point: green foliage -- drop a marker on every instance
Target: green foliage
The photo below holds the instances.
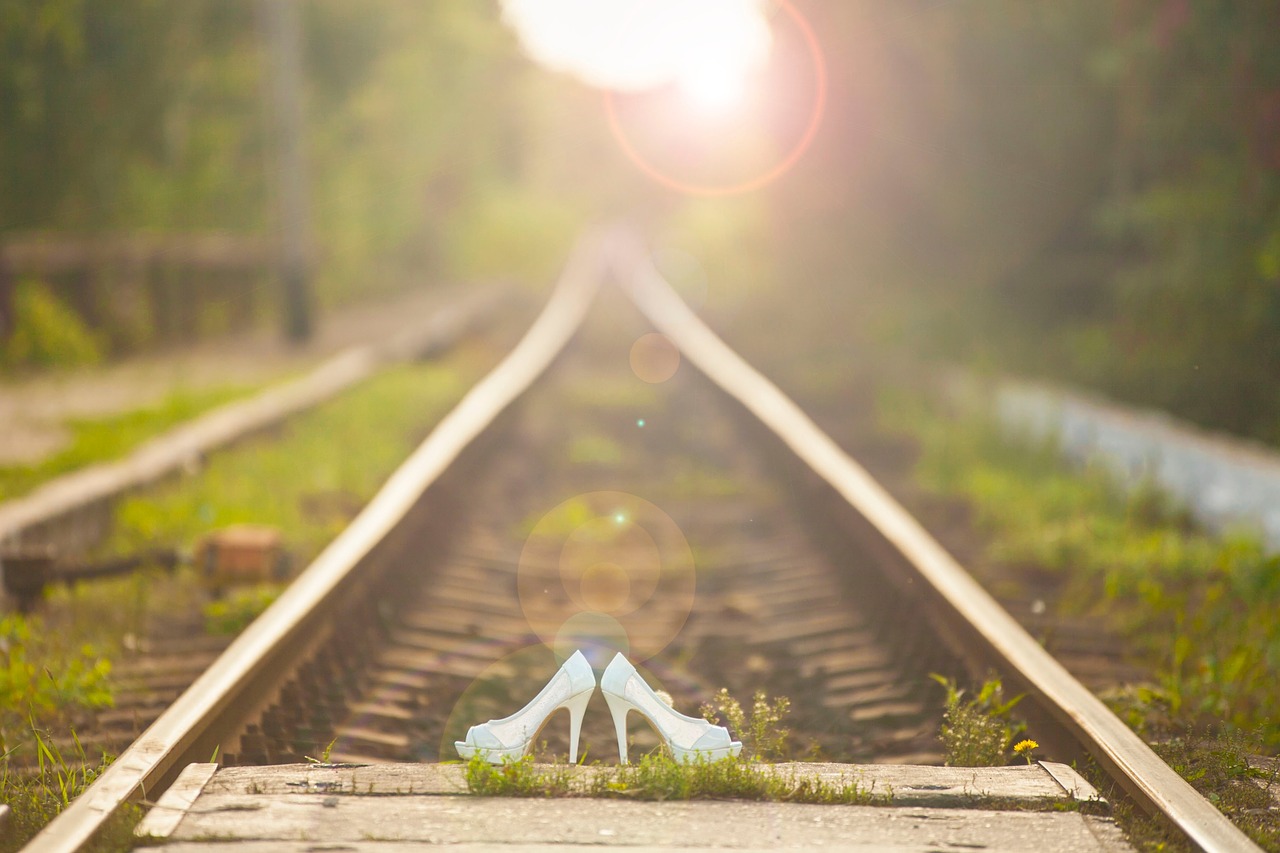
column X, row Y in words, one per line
column 46, row 332
column 269, row 480
column 520, row 778
column 762, row 734
column 660, row 777
column 1228, row 772
column 978, row 732
column 232, row 613
column 40, row 678
column 101, row 439
column 1203, row 608
column 145, row 115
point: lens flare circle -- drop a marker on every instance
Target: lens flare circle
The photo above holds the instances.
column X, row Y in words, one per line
column 654, row 358
column 779, row 169
column 615, row 556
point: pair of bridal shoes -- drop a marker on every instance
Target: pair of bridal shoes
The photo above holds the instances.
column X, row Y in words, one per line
column 688, row 738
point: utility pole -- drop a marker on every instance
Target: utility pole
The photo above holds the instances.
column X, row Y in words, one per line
column 283, row 37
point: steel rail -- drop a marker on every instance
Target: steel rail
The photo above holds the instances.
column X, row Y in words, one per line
column 1152, row 783
column 184, row 732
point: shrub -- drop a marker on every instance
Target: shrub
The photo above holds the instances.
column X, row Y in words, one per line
column 979, row 731
column 67, row 678
column 47, row 333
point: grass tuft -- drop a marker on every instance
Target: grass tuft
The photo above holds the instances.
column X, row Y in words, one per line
column 43, row 677
column 659, row 777
column 232, row 614
column 762, row 733
column 38, row 794
column 979, row 731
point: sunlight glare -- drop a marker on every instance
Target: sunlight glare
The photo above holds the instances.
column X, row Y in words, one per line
column 708, row 48
column 713, row 88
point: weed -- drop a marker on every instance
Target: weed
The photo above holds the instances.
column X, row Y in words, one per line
column 762, row 734
column 324, row 756
column 1027, row 749
column 978, row 732
column 659, row 777
column 38, row 794
column 520, row 778
column 40, row 677
column 232, row 614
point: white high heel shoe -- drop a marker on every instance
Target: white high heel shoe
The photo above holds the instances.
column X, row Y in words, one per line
column 689, row 738
column 509, row 738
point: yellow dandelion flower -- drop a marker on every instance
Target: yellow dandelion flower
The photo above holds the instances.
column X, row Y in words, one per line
column 1025, row 748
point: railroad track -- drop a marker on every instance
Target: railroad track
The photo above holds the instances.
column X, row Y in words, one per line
column 758, row 555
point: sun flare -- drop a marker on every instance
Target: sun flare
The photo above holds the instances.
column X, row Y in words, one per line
column 708, row 49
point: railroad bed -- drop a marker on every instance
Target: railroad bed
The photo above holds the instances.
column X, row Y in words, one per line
column 667, row 519
column 761, row 607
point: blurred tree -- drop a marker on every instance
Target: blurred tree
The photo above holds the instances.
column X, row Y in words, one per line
column 126, row 115
column 1089, row 191
column 1197, row 325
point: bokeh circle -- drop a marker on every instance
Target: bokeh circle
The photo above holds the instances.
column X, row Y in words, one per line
column 654, row 358
column 607, row 564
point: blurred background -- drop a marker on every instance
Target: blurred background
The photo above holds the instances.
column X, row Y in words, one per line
column 1085, row 191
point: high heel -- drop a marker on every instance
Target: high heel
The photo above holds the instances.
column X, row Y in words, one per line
column 687, row 737
column 509, row 738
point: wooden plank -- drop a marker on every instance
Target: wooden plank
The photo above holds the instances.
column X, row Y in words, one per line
column 1148, row 779
column 172, row 806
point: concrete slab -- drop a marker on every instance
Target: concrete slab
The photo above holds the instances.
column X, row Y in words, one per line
column 391, row 808
column 1042, row 785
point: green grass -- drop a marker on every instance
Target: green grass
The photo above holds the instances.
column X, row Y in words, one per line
column 44, row 676
column 1201, row 608
column 979, row 731
column 659, row 777
column 101, row 439
column 37, row 794
column 232, row 613
column 309, row 477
